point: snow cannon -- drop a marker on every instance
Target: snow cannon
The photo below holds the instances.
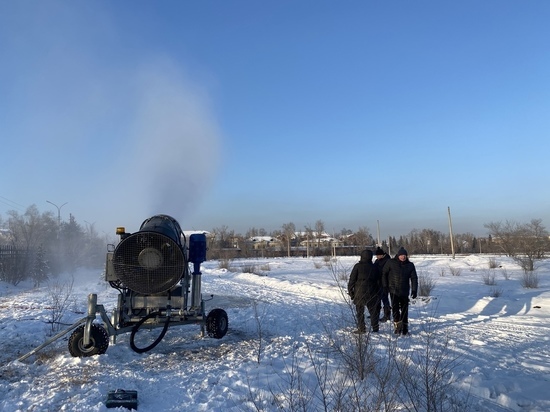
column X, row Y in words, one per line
column 150, row 269
column 153, row 259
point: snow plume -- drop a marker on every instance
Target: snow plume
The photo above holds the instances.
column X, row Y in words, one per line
column 174, row 145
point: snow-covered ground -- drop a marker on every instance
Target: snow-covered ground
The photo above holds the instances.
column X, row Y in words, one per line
column 289, row 337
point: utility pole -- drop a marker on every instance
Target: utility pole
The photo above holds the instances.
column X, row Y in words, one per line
column 58, row 211
column 451, row 232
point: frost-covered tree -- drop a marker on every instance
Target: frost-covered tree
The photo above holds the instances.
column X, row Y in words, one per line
column 40, row 269
column 73, row 241
column 27, row 232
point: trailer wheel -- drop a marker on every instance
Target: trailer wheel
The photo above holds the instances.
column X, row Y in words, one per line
column 217, row 323
column 99, row 342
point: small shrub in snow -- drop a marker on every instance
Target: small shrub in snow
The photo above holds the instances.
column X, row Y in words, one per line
column 489, row 278
column 318, row 265
column 527, row 263
column 496, row 292
column 505, row 274
column 455, row 271
column 259, row 317
column 442, row 272
column 425, row 284
column 61, row 297
column 256, row 270
column 224, row 264
column 530, row 280
column 250, row 269
column 493, row 264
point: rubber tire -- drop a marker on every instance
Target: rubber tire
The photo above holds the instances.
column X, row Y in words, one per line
column 217, row 323
column 99, row 342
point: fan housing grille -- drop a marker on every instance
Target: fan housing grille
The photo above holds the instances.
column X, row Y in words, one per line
column 149, row 262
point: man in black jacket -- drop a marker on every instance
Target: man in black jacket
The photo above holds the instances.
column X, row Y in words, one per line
column 364, row 289
column 399, row 277
column 381, row 260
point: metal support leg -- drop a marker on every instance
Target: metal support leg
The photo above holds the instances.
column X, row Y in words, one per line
column 92, row 308
column 53, row 339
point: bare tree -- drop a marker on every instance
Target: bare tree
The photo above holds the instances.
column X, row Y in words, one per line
column 363, row 238
column 289, row 230
column 309, row 236
column 525, row 243
column 252, row 232
column 428, row 241
column 465, row 242
column 224, row 236
column 319, row 229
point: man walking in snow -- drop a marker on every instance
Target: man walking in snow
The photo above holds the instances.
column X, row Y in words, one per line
column 381, row 260
column 364, row 289
column 399, row 277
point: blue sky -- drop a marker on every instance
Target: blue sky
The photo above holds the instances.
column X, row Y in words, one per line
column 255, row 114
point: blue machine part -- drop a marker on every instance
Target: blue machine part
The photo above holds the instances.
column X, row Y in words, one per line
column 197, row 250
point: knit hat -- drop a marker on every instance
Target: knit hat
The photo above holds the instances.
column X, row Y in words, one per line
column 402, row 251
column 379, row 251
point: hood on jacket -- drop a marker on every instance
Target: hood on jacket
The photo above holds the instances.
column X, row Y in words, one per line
column 366, row 255
column 401, row 251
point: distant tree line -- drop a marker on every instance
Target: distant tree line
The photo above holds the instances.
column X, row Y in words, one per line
column 525, row 242
column 36, row 246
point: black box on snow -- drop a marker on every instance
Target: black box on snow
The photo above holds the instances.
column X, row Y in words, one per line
column 120, row 397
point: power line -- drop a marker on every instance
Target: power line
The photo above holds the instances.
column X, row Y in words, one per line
column 11, row 203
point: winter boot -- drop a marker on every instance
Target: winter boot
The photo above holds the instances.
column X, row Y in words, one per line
column 387, row 314
column 405, row 329
column 398, row 327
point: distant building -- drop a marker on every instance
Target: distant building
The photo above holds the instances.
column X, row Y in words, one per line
column 264, row 242
column 323, row 241
column 5, row 235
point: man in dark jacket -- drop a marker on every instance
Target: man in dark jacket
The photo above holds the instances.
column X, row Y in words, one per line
column 381, row 260
column 364, row 289
column 399, row 277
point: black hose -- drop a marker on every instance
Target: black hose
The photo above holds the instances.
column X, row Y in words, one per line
column 156, row 342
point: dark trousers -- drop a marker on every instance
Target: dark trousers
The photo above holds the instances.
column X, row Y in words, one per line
column 373, row 306
column 400, row 308
column 360, row 310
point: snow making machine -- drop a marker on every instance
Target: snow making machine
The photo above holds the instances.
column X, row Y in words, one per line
column 151, row 270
